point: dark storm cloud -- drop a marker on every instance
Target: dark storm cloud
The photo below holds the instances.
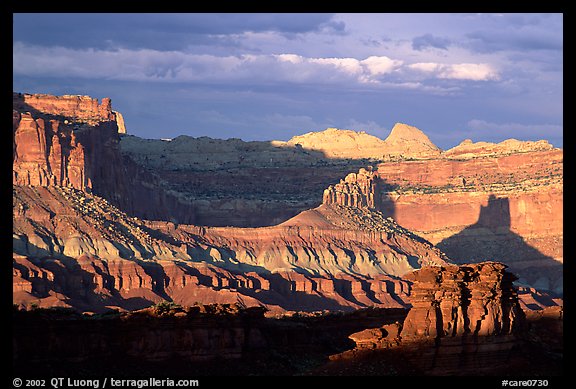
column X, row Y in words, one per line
column 518, row 32
column 159, row 31
column 273, row 76
column 428, row 40
column 491, row 41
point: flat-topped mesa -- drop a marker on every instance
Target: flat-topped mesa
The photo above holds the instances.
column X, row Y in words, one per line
column 451, row 301
column 64, row 140
column 356, row 190
column 468, row 149
column 72, row 107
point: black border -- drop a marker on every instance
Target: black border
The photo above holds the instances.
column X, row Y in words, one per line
column 253, row 6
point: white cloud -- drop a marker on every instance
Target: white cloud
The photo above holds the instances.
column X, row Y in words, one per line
column 378, row 66
column 347, row 65
column 292, row 58
column 425, row 66
column 177, row 66
column 149, row 65
column 461, row 71
column 469, row 71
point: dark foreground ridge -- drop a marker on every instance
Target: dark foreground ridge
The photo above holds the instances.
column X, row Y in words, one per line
column 435, row 337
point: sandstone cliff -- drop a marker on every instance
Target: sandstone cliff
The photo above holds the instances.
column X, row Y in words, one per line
column 82, row 109
column 73, row 141
column 120, row 122
column 505, row 208
column 470, row 314
column 503, row 204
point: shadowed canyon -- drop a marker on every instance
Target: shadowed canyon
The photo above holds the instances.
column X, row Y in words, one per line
column 337, row 239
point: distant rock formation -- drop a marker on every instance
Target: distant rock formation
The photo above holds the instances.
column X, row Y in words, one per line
column 336, row 143
column 356, row 190
column 511, row 212
column 404, row 140
column 410, row 141
column 506, row 206
column 468, row 149
column 502, row 207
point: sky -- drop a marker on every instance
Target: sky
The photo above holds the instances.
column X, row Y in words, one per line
column 485, row 77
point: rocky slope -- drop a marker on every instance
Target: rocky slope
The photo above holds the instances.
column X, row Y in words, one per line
column 74, row 248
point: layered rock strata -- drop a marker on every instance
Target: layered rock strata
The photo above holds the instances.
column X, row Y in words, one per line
column 504, row 202
column 75, row 249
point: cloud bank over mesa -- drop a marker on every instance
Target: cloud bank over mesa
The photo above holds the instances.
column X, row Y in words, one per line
column 272, row 76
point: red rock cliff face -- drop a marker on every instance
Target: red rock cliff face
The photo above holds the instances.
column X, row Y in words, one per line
column 47, row 152
column 66, row 141
column 505, row 207
column 464, row 320
column 73, row 141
